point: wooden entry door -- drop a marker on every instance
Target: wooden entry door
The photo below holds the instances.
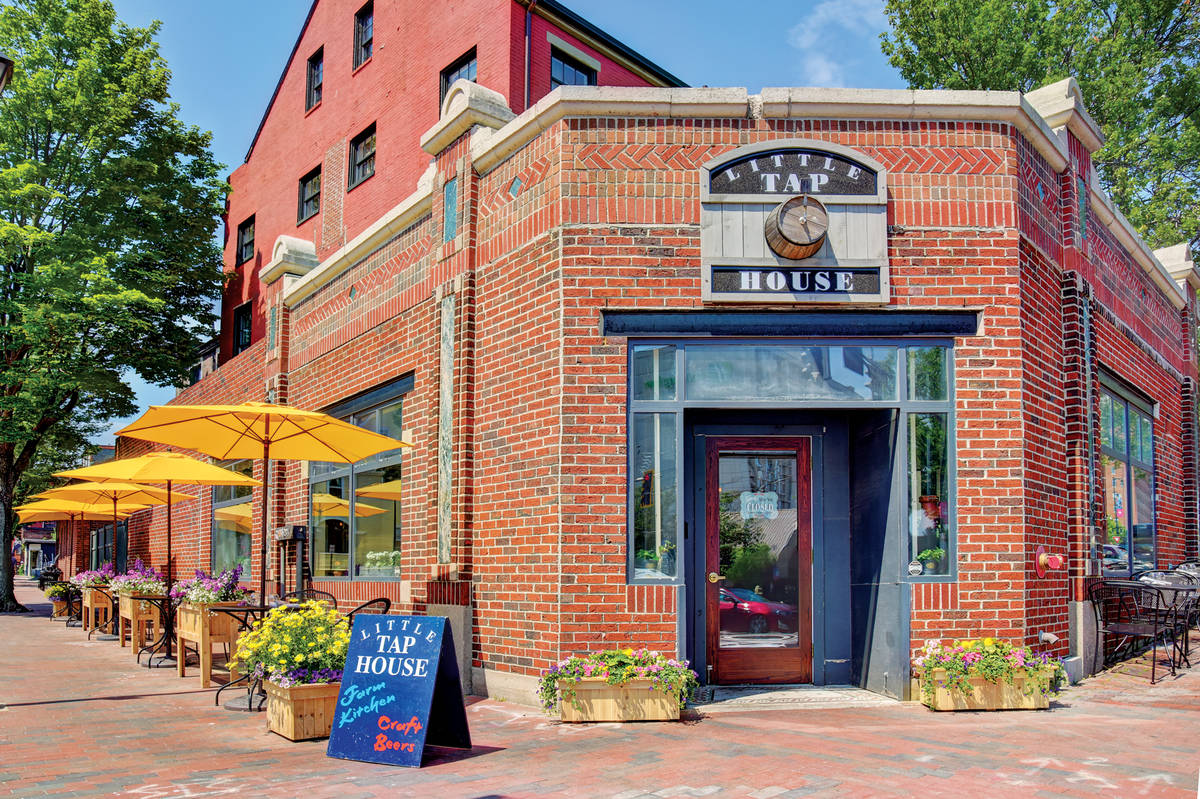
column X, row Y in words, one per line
column 759, row 559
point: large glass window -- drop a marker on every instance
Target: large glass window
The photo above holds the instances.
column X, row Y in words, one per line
column 655, row 484
column 105, row 546
column 355, row 508
column 233, row 522
column 665, row 378
column 928, row 493
column 1127, row 482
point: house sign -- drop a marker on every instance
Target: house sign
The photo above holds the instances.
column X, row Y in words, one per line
column 794, row 221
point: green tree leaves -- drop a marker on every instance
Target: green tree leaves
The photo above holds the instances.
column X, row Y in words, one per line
column 1137, row 63
column 108, row 208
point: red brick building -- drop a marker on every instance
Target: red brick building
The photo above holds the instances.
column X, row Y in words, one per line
column 785, row 383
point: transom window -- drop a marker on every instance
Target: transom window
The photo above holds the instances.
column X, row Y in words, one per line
column 362, row 156
column 245, row 241
column 364, row 34
column 1127, row 482
column 310, row 195
column 464, row 67
column 354, row 509
column 316, row 78
column 667, row 378
column 568, row 71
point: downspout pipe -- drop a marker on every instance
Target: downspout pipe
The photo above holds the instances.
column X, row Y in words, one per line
column 528, row 49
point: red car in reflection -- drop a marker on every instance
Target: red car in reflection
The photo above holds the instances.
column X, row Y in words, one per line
column 742, row 610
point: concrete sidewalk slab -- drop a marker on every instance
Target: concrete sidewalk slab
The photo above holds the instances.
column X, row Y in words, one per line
column 82, row 720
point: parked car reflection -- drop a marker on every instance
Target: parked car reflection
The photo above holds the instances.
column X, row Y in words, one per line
column 743, row 610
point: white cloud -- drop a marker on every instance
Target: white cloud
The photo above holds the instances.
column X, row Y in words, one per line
column 834, row 36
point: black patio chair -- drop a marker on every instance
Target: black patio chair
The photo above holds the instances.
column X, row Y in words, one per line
column 1137, row 615
column 379, row 606
column 1182, row 607
column 48, row 575
column 306, row 594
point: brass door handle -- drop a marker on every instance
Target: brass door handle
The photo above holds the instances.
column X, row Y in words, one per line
column 714, row 577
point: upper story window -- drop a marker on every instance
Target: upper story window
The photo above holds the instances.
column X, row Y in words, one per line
column 241, row 328
column 310, row 195
column 1127, row 481
column 463, row 67
column 362, row 156
column 568, row 71
column 245, row 241
column 364, row 34
column 316, row 77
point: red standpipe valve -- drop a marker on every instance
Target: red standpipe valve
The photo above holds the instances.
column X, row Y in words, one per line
column 1046, row 561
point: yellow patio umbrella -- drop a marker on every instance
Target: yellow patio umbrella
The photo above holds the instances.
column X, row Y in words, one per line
column 388, row 490
column 168, row 468
column 47, row 510
column 259, row 430
column 116, row 493
column 329, row 505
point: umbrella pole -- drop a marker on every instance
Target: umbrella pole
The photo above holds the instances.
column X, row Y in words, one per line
column 169, row 620
column 266, row 489
column 168, row 569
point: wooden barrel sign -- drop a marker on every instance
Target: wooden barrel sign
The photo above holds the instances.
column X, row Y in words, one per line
column 796, row 228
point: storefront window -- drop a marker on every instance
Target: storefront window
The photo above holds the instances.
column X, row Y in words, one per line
column 355, row 508
column 1127, row 482
column 928, row 494
column 728, row 372
column 233, row 522
column 653, row 488
column 107, row 547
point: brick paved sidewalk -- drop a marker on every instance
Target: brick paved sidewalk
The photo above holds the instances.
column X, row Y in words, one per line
column 80, row 719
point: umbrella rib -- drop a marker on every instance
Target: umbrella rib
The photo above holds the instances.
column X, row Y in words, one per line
column 310, row 432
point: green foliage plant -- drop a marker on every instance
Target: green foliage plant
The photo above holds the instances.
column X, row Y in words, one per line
column 989, row 658
column 927, row 555
column 616, row 667
column 1137, row 68
column 293, row 646
column 109, row 265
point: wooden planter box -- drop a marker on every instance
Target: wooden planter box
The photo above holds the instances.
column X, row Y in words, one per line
column 984, row 695
column 636, row 700
column 97, row 608
column 302, row 712
column 59, row 608
column 195, row 622
column 135, row 615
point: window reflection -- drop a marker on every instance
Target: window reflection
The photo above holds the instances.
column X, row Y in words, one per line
column 928, row 493
column 653, row 487
column 783, row 372
column 1127, row 484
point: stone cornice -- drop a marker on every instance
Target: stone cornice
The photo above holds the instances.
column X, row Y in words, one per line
column 1061, row 105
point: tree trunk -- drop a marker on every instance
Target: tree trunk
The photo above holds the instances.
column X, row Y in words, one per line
column 8, row 598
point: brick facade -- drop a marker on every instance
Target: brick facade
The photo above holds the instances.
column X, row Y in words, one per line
column 563, row 215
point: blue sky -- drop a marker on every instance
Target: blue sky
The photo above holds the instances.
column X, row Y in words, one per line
column 226, row 56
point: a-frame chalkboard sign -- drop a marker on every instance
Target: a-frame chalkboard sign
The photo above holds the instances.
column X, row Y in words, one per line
column 400, row 691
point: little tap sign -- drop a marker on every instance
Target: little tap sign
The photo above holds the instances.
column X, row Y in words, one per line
column 400, row 691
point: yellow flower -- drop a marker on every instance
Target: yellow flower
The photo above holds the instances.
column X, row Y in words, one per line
column 989, row 641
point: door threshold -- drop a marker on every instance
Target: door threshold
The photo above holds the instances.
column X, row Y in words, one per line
column 743, row 698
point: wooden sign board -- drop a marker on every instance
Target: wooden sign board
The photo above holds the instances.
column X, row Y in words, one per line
column 400, row 691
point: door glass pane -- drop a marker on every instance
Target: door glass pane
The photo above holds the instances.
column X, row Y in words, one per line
column 653, row 373
column 927, row 373
column 1141, row 527
column 330, row 528
column 377, row 523
column 785, row 372
column 758, row 545
column 928, row 494
column 654, row 480
column 1116, row 519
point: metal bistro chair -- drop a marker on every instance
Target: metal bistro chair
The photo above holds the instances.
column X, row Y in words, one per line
column 379, row 606
column 306, row 594
column 1137, row 615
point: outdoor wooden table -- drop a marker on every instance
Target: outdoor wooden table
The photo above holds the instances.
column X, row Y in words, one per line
column 204, row 624
column 136, row 613
column 97, row 608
